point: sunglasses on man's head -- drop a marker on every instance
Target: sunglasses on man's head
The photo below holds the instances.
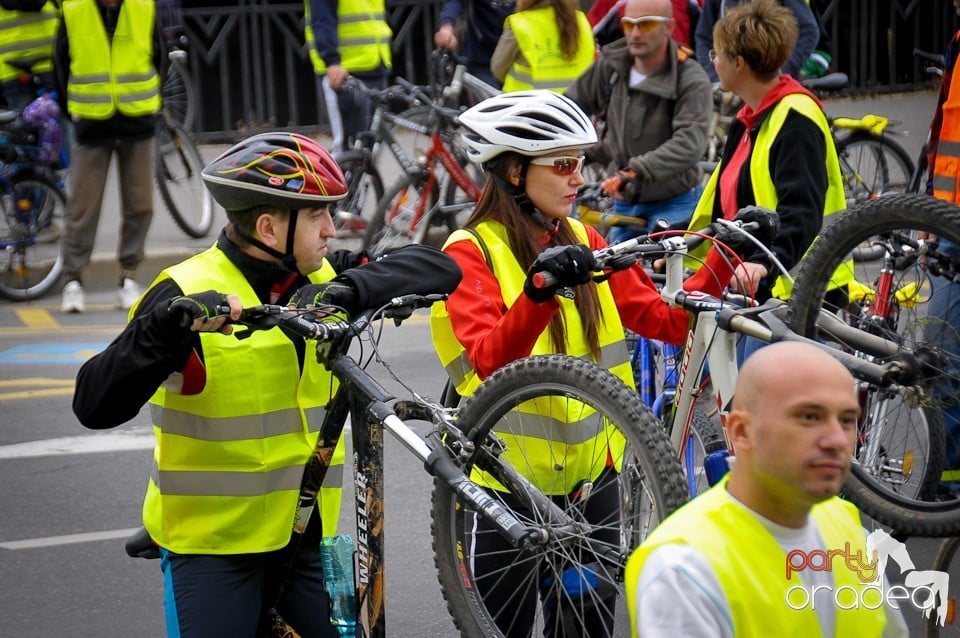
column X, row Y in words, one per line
column 645, row 24
column 563, row 166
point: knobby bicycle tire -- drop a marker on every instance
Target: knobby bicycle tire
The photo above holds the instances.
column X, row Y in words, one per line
column 30, row 232
column 179, row 100
column 641, row 485
column 364, row 185
column 177, row 170
column 873, row 165
column 900, row 451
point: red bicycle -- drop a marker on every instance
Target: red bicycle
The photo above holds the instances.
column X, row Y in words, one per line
column 435, row 193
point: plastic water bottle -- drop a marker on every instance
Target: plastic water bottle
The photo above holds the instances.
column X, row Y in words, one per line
column 337, row 555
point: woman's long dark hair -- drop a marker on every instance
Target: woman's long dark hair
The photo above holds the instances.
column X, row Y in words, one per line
column 526, row 242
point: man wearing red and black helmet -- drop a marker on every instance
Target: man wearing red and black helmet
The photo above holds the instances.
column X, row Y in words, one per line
column 229, row 415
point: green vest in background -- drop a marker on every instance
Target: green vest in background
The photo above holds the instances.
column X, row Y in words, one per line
column 230, row 456
column 363, row 36
column 107, row 77
column 538, row 38
column 25, row 35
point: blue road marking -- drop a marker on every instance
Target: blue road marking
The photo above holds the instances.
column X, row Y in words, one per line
column 52, row 352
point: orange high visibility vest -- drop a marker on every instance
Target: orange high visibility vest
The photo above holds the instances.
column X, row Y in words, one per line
column 946, row 167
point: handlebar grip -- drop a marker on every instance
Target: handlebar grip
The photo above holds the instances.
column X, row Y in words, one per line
column 543, row 279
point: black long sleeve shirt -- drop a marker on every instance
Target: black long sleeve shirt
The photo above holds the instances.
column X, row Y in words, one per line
column 113, row 385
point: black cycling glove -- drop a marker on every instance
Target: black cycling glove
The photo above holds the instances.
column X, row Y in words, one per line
column 338, row 294
column 569, row 265
column 199, row 305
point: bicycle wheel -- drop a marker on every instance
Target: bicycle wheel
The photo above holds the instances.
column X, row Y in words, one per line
column 617, row 490
column 942, row 562
column 178, row 95
column 871, row 166
column 364, row 190
column 394, row 222
column 177, row 168
column 33, row 214
column 900, row 449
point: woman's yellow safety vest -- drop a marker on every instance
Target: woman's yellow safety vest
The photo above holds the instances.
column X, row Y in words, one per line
column 109, row 76
column 571, row 427
column 228, row 462
column 363, row 36
column 764, row 190
column 538, row 38
column 751, row 567
column 25, row 35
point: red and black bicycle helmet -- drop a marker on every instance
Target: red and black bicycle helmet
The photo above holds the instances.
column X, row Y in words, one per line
column 282, row 169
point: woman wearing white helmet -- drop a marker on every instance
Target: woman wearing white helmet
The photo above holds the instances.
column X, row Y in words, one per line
column 529, row 143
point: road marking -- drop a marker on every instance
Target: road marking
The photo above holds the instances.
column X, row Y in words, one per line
column 48, row 388
column 52, row 352
column 68, row 539
column 37, row 318
column 85, row 444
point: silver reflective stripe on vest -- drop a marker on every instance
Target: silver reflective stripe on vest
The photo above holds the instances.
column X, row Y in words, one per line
column 361, row 18
column 353, row 42
column 90, row 79
column 173, row 483
column 549, row 429
column 24, row 45
column 139, row 77
column 88, row 99
column 611, row 355
column 527, row 79
column 136, row 97
column 238, row 428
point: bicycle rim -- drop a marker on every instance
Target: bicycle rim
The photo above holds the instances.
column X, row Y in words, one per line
column 872, row 166
column 177, row 92
column 178, row 174
column 33, row 223
column 900, row 451
column 632, row 481
column 364, row 190
column 395, row 221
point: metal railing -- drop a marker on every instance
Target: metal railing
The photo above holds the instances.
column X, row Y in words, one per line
column 251, row 71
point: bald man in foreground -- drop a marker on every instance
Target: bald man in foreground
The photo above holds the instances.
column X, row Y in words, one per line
column 770, row 550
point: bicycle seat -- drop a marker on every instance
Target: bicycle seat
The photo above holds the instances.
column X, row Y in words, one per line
column 26, row 64
column 829, row 82
column 7, row 116
column 140, row 545
column 873, row 123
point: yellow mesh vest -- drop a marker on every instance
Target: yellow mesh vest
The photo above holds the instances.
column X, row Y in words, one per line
column 538, row 38
column 363, row 36
column 751, row 566
column 107, row 76
column 584, row 457
column 228, row 462
column 25, row 35
column 764, row 191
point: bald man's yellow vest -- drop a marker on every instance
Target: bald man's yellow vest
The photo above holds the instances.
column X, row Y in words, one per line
column 108, row 76
column 363, row 36
column 764, row 190
column 584, row 448
column 25, row 35
column 228, row 461
column 751, row 567
column 538, row 38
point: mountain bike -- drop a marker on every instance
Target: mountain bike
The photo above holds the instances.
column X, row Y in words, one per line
column 177, row 172
column 896, row 478
column 907, row 367
column 479, row 476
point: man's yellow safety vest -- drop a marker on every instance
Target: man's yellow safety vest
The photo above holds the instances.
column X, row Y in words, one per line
column 764, row 190
column 363, row 36
column 228, row 462
column 538, row 38
column 25, row 35
column 751, row 567
column 586, row 450
column 110, row 76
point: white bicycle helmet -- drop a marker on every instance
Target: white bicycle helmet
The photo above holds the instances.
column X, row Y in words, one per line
column 528, row 122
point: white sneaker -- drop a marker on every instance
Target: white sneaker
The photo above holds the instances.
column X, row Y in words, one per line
column 72, row 300
column 128, row 293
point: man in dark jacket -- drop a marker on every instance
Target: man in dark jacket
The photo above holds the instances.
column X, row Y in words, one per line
column 657, row 104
